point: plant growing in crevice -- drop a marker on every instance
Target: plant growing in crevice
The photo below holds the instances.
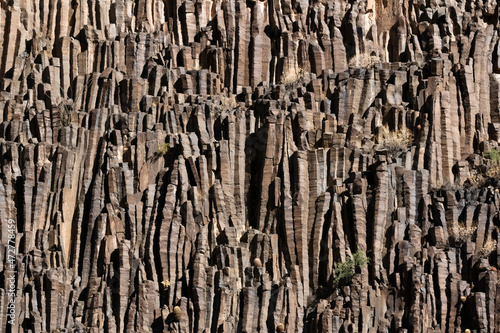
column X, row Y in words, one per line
column 66, row 106
column 345, row 270
column 461, row 233
column 225, row 102
column 163, row 149
column 484, row 175
column 493, row 155
column 493, row 171
column 489, row 246
column 395, row 142
column 360, row 259
column 228, row 102
column 364, row 60
column 165, row 283
column 289, row 78
column 475, row 180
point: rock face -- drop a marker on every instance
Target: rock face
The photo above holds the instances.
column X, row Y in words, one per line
column 200, row 166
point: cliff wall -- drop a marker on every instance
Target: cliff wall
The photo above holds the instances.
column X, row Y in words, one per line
column 222, row 156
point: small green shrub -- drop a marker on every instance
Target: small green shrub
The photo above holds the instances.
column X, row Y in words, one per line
column 360, row 259
column 345, row 270
column 493, row 154
column 163, row 149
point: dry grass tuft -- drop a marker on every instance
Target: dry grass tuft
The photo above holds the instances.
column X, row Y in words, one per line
column 228, row 102
column 481, row 177
column 489, row 246
column 290, row 78
column 394, row 141
column 476, row 180
column 165, row 283
column 364, row 60
column 493, row 171
column 461, row 233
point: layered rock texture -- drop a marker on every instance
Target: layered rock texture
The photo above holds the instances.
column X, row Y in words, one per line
column 200, row 166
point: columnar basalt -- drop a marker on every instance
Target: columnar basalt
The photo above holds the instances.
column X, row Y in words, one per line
column 200, row 166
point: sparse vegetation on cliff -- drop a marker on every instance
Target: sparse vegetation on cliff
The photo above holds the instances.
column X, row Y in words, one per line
column 394, row 142
column 460, row 233
column 215, row 165
column 364, row 60
column 289, row 78
column 492, row 154
column 489, row 246
column 228, row 102
column 163, row 149
column 345, row 270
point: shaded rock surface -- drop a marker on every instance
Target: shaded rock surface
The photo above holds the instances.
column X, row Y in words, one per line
column 272, row 112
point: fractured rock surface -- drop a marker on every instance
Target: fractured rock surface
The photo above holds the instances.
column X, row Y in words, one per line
column 200, row 166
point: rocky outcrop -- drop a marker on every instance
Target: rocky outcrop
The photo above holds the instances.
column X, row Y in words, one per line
column 199, row 166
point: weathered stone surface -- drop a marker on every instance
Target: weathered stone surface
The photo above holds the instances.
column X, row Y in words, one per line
column 201, row 166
